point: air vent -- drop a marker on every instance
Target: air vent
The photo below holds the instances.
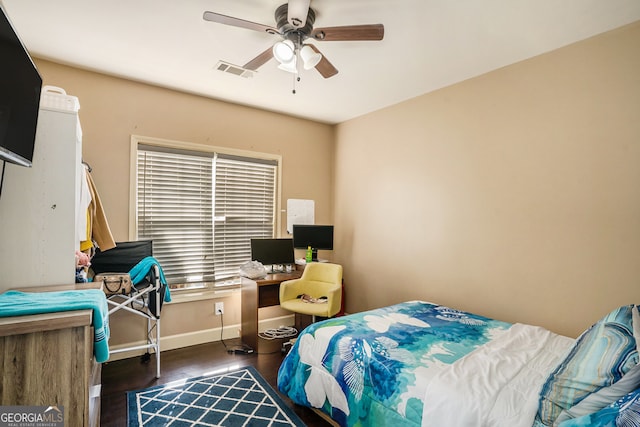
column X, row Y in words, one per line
column 225, row 67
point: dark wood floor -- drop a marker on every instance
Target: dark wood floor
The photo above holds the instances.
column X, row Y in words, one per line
column 132, row 374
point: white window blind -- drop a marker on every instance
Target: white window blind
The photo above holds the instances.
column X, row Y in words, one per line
column 244, row 209
column 202, row 209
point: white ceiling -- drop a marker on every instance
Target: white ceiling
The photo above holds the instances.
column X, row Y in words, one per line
column 428, row 44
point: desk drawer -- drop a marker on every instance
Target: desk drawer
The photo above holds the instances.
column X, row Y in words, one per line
column 269, row 295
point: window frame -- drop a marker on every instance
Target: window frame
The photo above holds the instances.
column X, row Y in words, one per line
column 137, row 140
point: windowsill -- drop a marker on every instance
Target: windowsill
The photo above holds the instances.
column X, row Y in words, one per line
column 221, row 289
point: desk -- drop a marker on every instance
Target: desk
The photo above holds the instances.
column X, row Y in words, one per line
column 257, row 294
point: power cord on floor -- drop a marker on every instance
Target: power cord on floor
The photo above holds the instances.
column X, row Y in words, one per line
column 222, row 330
column 235, row 349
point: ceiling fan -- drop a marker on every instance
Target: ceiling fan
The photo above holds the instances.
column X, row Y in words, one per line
column 294, row 23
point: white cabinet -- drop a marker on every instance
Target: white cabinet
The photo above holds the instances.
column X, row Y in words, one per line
column 38, row 206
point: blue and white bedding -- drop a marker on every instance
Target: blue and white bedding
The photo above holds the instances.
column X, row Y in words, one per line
column 498, row 384
column 391, row 365
column 426, row 365
column 623, row 412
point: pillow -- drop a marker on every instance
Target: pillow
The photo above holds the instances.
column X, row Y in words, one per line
column 623, row 412
column 599, row 358
column 604, row 397
column 635, row 316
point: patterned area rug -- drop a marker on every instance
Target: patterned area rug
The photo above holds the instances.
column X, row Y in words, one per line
column 237, row 398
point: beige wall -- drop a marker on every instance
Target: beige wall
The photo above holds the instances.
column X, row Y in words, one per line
column 112, row 109
column 514, row 195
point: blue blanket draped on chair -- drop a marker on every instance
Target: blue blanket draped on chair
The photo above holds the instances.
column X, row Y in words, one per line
column 16, row 303
column 142, row 269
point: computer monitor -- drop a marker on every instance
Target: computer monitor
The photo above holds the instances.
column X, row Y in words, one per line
column 272, row 251
column 316, row 236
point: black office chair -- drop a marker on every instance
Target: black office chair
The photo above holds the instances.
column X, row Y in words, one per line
column 146, row 296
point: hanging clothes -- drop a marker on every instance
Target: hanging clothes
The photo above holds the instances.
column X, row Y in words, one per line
column 97, row 222
column 83, row 231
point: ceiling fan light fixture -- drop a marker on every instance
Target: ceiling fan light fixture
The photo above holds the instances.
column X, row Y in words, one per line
column 297, row 12
column 310, row 58
column 284, row 51
column 289, row 67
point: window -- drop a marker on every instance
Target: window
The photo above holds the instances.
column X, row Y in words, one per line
column 201, row 208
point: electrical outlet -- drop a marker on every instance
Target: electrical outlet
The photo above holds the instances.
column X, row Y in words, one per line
column 219, row 308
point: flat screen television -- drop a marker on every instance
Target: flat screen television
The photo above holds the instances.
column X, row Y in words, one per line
column 20, row 86
column 272, row 251
column 316, row 236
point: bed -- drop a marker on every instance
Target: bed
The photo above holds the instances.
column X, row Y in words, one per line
column 422, row 364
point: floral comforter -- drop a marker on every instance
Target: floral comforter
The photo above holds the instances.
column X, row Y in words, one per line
column 372, row 368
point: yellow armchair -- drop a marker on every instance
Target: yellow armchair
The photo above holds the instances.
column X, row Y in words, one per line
column 319, row 279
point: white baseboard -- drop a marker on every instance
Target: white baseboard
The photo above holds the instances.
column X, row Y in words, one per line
column 173, row 342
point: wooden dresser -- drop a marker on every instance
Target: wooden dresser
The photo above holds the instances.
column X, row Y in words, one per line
column 47, row 360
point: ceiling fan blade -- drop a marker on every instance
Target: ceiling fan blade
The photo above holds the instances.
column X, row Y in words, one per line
column 297, row 12
column 324, row 67
column 237, row 22
column 349, row 32
column 259, row 60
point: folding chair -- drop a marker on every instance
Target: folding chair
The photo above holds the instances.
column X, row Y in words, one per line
column 145, row 298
